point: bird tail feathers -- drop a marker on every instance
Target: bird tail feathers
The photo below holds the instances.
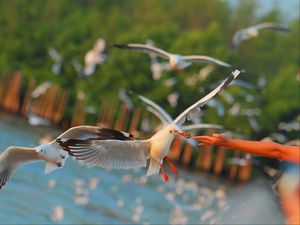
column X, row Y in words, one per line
column 153, row 167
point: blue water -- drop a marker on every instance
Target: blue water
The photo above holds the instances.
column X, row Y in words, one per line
column 79, row 195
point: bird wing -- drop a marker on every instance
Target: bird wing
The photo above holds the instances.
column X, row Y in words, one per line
column 204, row 58
column 195, row 108
column 99, row 45
column 201, row 126
column 110, row 153
column 104, row 147
column 237, row 38
column 145, row 49
column 93, row 132
column 273, row 26
column 11, row 158
column 156, row 110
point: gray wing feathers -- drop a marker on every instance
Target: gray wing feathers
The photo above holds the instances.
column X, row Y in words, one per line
column 195, row 108
column 157, row 110
column 11, row 158
column 203, row 58
column 80, row 132
column 112, row 153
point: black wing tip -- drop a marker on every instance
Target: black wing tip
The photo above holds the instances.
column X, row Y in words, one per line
column 119, row 45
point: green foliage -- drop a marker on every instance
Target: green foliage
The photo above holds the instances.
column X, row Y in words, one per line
column 29, row 28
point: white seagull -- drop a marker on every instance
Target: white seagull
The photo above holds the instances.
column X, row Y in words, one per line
column 94, row 56
column 253, row 31
column 114, row 149
column 176, row 61
column 106, row 147
column 58, row 60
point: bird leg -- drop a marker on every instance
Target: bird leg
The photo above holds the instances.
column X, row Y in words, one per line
column 166, row 177
column 173, row 168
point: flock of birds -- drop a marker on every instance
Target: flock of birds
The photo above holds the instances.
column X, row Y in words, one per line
column 108, row 148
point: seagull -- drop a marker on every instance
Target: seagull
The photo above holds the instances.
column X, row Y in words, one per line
column 253, row 31
column 94, row 56
column 166, row 118
column 177, row 62
column 58, row 60
column 156, row 67
column 41, row 89
column 106, row 147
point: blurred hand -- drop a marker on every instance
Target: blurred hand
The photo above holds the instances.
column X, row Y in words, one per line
column 215, row 139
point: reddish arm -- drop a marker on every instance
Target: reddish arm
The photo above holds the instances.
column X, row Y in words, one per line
column 262, row 148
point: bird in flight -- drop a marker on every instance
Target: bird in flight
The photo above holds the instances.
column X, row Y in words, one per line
column 177, row 62
column 253, row 31
column 105, row 147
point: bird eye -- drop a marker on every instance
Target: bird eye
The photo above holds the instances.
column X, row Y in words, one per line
column 42, row 150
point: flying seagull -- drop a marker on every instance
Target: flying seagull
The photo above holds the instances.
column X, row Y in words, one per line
column 113, row 149
column 94, row 56
column 106, row 147
column 58, row 60
column 253, row 31
column 176, row 61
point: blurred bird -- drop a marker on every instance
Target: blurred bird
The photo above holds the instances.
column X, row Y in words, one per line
column 177, row 62
column 156, row 67
column 94, row 56
column 58, row 60
column 253, row 31
column 114, row 149
column 41, row 89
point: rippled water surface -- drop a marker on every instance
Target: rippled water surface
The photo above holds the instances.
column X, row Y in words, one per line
column 80, row 195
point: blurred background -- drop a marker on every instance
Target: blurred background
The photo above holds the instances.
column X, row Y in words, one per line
column 44, row 44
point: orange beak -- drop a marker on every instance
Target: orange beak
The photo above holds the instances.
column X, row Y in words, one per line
column 183, row 134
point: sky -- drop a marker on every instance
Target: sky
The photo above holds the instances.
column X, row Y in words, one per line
column 289, row 8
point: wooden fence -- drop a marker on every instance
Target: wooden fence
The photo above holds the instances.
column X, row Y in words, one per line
column 52, row 104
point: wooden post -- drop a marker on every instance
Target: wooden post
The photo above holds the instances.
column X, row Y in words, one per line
column 220, row 159
column 245, row 170
column 135, row 120
column 187, row 155
column 61, row 106
column 79, row 110
column 12, row 98
column 27, row 98
column 204, row 158
column 233, row 169
column 121, row 121
column 175, row 150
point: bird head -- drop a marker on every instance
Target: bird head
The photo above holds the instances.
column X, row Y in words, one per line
column 41, row 151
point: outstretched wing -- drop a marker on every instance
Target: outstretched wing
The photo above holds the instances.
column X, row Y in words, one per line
column 109, row 153
column 11, row 158
column 201, row 126
column 237, row 38
column 107, row 148
column 156, row 110
column 94, row 132
column 195, row 108
column 145, row 49
column 204, row 58
column 272, row 26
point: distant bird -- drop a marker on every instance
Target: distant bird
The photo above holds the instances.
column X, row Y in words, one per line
column 78, row 68
column 157, row 67
column 58, row 60
column 41, row 89
column 35, row 120
column 177, row 62
column 114, row 149
column 253, row 31
column 94, row 57
column 123, row 96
